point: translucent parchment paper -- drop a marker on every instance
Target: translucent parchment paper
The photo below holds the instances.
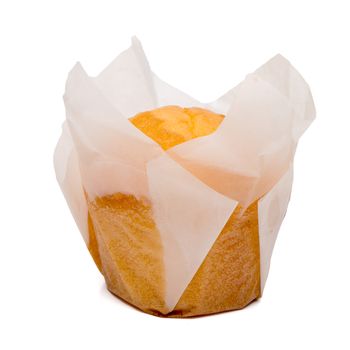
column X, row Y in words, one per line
column 249, row 157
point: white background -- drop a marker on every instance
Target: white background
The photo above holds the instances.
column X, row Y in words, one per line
column 51, row 294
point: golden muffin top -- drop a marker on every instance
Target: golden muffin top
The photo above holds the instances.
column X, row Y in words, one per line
column 172, row 125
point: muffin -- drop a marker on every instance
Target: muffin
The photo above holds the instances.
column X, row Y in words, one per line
column 180, row 207
column 126, row 245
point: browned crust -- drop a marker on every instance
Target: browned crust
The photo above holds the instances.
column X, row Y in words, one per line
column 131, row 255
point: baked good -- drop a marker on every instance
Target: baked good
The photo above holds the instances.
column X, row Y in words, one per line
column 180, row 207
column 126, row 245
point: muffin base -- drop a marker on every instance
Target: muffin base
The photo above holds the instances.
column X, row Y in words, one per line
column 126, row 246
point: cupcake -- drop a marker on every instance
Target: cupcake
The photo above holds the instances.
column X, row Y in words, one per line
column 180, row 202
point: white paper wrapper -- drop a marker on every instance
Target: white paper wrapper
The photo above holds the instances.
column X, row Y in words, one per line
column 250, row 156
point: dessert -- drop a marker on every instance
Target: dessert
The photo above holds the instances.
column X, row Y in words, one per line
column 180, row 202
column 126, row 245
